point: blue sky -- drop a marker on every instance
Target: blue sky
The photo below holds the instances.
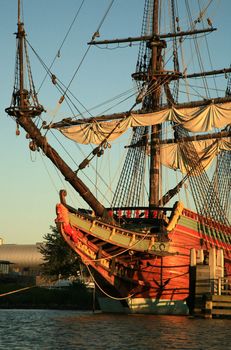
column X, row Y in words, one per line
column 29, row 184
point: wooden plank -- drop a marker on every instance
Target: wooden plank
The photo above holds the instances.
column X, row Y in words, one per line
column 202, row 290
column 221, row 312
column 225, row 298
column 226, row 292
column 203, row 282
column 221, row 304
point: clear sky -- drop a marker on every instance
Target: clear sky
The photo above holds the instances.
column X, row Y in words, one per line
column 29, row 183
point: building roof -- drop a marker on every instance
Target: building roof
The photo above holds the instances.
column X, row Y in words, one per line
column 25, row 255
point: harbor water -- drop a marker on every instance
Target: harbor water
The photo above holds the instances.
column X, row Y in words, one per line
column 56, row 329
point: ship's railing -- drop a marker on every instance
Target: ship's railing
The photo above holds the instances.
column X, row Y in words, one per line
column 151, row 238
column 221, row 286
column 138, row 212
column 207, row 221
column 216, row 286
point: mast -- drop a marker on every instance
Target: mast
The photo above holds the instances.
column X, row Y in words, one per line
column 25, row 106
column 20, row 36
column 154, row 181
column 151, row 74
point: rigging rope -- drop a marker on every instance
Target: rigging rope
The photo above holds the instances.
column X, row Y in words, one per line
column 62, row 90
column 84, row 56
column 129, row 188
column 60, row 47
column 120, row 253
column 89, row 179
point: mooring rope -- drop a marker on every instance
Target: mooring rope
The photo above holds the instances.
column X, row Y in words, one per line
column 108, row 295
column 16, row 291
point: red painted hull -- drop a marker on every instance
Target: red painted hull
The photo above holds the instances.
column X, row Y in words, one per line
column 133, row 276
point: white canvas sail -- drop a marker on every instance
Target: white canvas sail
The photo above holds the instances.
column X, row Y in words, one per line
column 197, row 119
column 173, row 156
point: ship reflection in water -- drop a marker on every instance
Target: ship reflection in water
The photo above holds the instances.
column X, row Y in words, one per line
column 51, row 329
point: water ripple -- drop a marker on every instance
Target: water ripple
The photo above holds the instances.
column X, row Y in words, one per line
column 55, row 329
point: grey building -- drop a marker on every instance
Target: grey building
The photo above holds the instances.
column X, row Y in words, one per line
column 24, row 259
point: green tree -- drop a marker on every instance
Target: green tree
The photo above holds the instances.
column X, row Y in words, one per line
column 60, row 259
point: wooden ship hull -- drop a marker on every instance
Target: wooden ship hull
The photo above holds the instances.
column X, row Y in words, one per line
column 139, row 257
column 134, row 272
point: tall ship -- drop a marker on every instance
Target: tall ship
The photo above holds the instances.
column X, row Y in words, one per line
column 173, row 189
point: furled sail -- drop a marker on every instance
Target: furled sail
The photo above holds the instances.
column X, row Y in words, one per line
column 173, row 156
column 196, row 119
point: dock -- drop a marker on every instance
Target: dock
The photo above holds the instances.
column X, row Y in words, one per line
column 210, row 288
